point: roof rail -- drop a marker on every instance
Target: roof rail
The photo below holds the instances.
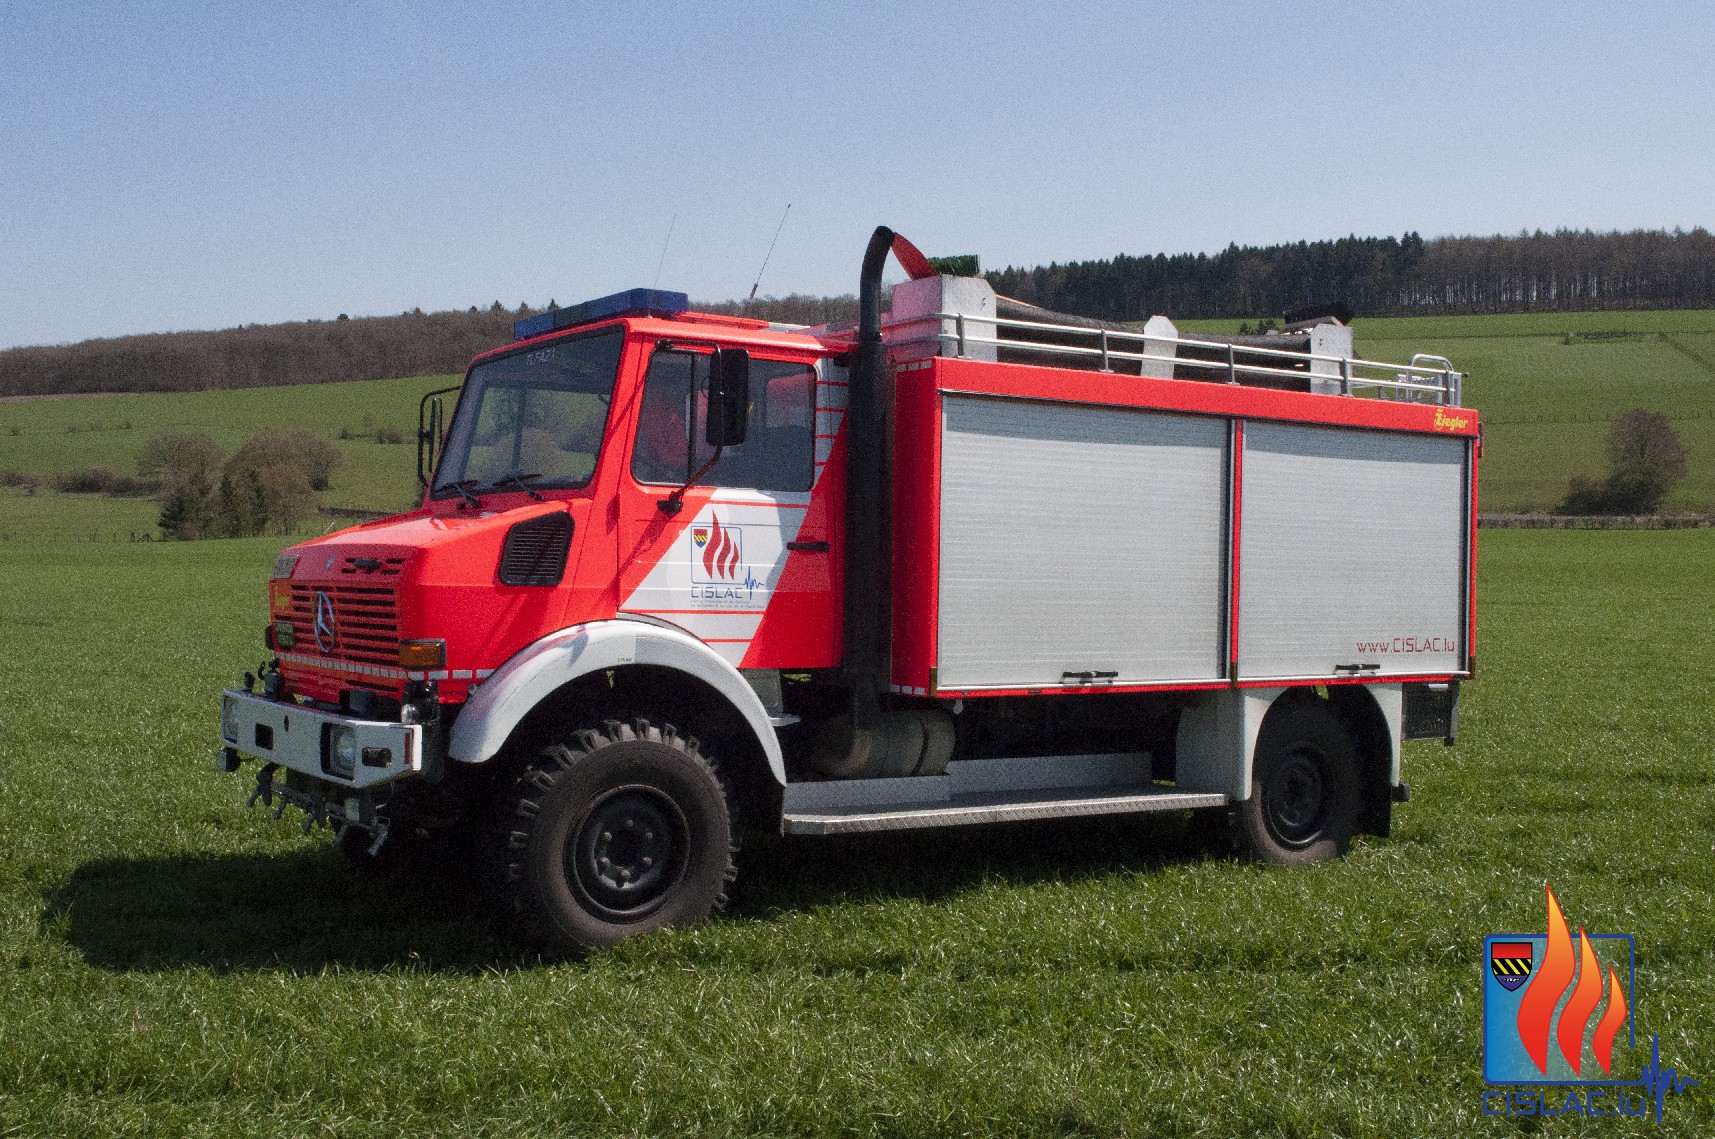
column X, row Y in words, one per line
column 1427, row 379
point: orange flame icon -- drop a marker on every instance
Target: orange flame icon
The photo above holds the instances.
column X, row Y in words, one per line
column 1549, row 984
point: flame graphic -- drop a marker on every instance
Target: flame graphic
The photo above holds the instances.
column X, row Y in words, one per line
column 1536, row 1007
column 712, row 549
column 720, row 555
column 1610, row 1024
column 1575, row 1017
column 1552, row 979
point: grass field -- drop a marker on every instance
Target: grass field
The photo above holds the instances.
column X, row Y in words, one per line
column 171, row 963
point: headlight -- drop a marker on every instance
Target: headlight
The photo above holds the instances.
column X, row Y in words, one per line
column 341, row 751
column 229, row 721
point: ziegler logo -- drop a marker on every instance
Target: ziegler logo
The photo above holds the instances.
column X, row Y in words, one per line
column 1445, row 422
column 722, row 549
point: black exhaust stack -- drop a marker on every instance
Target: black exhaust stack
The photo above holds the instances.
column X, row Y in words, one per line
column 868, row 615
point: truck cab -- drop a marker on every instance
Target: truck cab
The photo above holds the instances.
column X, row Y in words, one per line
column 675, row 575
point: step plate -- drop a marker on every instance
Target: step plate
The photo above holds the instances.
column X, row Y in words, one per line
column 996, row 807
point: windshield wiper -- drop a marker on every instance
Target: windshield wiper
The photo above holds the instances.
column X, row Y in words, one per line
column 518, row 480
column 463, row 488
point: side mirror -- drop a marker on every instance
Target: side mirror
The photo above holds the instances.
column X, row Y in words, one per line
column 431, row 431
column 729, row 397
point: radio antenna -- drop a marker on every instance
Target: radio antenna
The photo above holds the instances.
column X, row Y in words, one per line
column 664, row 242
column 769, row 254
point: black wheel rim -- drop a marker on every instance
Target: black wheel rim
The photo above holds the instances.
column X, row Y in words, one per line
column 1295, row 797
column 629, row 852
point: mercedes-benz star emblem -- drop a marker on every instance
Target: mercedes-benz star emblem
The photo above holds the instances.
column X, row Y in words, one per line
column 324, row 622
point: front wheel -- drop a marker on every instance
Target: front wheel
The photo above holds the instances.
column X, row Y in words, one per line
column 1304, row 797
column 613, row 833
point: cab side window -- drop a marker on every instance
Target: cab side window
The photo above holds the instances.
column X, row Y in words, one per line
column 778, row 451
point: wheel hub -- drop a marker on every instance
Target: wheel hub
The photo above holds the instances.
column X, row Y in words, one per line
column 1295, row 798
column 629, row 851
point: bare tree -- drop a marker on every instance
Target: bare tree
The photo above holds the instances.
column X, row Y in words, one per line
column 1645, row 460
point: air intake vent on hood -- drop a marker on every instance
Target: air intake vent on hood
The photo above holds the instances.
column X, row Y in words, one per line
column 535, row 551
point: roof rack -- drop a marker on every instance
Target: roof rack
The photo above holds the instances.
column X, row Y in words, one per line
column 1160, row 352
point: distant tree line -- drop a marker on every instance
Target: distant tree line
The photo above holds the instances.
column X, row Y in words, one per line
column 1563, row 271
column 263, row 355
column 795, row 308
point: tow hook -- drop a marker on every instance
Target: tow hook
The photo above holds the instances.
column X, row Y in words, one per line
column 321, row 807
column 264, row 786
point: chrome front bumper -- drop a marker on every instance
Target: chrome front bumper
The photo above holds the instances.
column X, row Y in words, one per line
column 307, row 741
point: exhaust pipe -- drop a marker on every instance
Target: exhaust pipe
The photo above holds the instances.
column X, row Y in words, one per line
column 868, row 614
column 872, row 743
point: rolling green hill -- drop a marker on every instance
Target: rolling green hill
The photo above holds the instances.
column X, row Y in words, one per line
column 57, row 435
column 1546, row 387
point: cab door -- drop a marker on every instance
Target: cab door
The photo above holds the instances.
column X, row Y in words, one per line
column 744, row 559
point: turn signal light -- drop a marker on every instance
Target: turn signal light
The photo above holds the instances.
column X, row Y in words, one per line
column 423, row 654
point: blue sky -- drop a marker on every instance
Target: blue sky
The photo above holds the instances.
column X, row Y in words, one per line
column 169, row 166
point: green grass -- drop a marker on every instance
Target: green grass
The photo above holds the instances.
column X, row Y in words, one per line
column 171, row 963
column 47, row 517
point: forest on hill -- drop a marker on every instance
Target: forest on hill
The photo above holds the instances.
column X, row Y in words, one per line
column 1564, row 271
column 261, row 355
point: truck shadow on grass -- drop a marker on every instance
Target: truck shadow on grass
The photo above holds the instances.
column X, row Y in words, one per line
column 304, row 911
column 309, row 911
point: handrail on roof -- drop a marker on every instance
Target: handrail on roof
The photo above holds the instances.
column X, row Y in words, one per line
column 1427, row 378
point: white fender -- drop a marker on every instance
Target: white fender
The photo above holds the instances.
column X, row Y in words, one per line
column 1390, row 700
column 1217, row 740
column 539, row 669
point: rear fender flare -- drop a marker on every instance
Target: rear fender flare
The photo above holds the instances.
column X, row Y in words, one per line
column 535, row 672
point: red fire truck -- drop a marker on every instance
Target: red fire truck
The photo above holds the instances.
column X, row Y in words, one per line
column 677, row 574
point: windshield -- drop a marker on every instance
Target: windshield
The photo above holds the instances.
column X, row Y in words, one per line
column 537, row 413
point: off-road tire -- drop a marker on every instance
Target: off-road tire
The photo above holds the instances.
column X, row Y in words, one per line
column 1305, row 793
column 612, row 833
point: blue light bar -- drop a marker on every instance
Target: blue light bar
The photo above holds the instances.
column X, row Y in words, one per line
column 632, row 302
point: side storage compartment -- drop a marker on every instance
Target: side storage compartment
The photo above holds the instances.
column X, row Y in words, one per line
column 1079, row 545
column 1353, row 548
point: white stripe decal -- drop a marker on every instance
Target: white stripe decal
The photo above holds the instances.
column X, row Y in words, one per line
column 342, row 666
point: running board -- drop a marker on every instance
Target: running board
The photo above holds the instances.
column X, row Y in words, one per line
column 994, row 807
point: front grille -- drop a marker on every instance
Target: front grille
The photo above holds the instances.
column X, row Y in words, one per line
column 366, row 621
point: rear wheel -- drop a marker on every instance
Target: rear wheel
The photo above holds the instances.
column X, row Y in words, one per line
column 613, row 833
column 1304, row 797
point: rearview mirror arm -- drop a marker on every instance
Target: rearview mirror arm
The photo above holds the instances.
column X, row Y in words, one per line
column 675, row 502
